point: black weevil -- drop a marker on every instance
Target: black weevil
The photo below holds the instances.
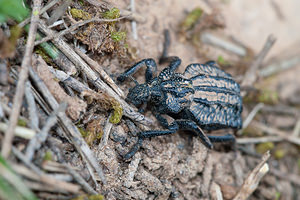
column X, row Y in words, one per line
column 203, row 97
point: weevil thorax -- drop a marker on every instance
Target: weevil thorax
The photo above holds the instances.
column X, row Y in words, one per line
column 139, row 94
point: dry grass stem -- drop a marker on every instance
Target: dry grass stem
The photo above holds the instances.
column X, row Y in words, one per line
column 44, row 9
column 279, row 66
column 19, row 131
column 71, row 54
column 273, row 131
column 133, row 23
column 252, row 114
column 3, row 72
column 70, row 130
column 106, row 131
column 254, row 140
column 36, row 142
column 32, row 109
column 211, row 39
column 95, row 66
column 251, row 74
column 80, row 180
column 18, row 98
column 68, row 80
column 252, row 181
column 296, row 130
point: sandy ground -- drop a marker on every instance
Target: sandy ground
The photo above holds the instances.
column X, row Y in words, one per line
column 179, row 166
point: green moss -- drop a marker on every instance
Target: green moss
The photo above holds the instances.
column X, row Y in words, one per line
column 268, row 96
column 264, row 147
column 22, row 122
column 90, row 197
column 35, row 13
column 117, row 115
column 279, row 153
column 277, row 195
column 90, row 136
column 80, row 14
column 113, row 13
column 42, row 53
column 83, row 132
column 222, row 61
column 81, row 2
column 15, row 32
column 118, row 36
column 192, row 18
column 48, row 156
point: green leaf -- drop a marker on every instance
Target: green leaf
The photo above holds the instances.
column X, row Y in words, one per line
column 11, row 185
column 14, row 9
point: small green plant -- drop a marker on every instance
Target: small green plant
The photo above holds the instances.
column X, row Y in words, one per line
column 118, row 36
column 192, row 18
column 112, row 13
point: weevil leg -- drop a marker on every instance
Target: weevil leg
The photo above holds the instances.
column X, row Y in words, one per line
column 150, row 71
column 192, row 126
column 134, row 149
column 222, row 138
column 142, row 136
column 143, row 107
column 172, row 128
column 173, row 60
column 181, row 124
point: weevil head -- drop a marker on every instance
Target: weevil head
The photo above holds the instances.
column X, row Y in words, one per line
column 139, row 94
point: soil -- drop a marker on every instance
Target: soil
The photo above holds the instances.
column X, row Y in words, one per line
column 179, row 166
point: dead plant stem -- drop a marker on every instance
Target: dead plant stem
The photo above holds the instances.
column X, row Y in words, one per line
column 18, row 98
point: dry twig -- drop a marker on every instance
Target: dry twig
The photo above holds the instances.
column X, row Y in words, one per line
column 133, row 23
column 70, row 130
column 105, row 136
column 252, row 181
column 44, row 181
column 251, row 74
column 250, row 117
column 17, row 101
column 36, row 142
column 274, row 131
column 32, row 110
column 95, row 66
column 68, row 80
column 44, row 9
column 19, row 131
column 59, row 11
column 80, row 180
column 3, row 72
column 252, row 114
column 254, row 140
column 278, row 66
column 211, row 39
column 132, row 168
column 71, row 54
column 296, row 130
